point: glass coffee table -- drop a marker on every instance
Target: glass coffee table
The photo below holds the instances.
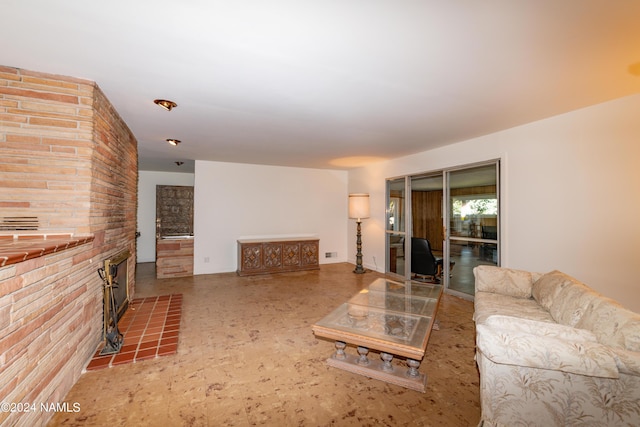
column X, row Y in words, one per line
column 392, row 318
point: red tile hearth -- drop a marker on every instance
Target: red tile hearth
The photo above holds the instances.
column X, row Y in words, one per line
column 150, row 327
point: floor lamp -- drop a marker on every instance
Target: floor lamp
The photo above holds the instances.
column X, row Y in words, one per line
column 358, row 210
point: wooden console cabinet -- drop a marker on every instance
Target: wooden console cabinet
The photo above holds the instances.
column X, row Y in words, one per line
column 263, row 256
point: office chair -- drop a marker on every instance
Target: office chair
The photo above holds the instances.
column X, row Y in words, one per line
column 423, row 262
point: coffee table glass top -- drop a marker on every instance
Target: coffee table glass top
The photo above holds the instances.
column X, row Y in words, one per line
column 387, row 311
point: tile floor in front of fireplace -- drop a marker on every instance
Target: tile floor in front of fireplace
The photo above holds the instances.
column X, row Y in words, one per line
column 247, row 356
column 150, row 327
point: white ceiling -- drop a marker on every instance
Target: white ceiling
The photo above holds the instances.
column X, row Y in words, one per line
column 331, row 83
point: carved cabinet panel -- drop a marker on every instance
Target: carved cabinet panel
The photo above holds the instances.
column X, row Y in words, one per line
column 308, row 253
column 291, row 254
column 251, row 257
column 272, row 257
column 277, row 256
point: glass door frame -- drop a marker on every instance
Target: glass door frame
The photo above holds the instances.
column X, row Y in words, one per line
column 446, row 215
column 405, row 232
column 446, row 174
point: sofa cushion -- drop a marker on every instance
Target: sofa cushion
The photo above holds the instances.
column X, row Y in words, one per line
column 571, row 302
column 630, row 333
column 543, row 329
column 487, row 304
column 522, row 349
column 515, row 283
column 612, row 324
column 546, row 288
column 628, row 361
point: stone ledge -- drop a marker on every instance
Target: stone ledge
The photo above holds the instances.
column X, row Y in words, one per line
column 15, row 248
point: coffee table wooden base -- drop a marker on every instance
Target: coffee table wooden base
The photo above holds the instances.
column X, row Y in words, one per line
column 393, row 319
column 381, row 369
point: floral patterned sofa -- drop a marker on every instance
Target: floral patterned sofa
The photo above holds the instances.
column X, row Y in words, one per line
column 553, row 352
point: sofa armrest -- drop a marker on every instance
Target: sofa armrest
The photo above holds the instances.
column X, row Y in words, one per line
column 506, row 281
column 518, row 348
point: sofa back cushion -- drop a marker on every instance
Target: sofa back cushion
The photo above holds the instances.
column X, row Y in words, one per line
column 571, row 303
column 505, row 281
column 612, row 324
column 546, row 288
column 566, row 298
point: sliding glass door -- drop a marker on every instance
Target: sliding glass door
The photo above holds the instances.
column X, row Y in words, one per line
column 427, row 224
column 455, row 214
column 396, row 226
column 473, row 223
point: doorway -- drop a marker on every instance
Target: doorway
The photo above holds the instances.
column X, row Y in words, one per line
column 457, row 212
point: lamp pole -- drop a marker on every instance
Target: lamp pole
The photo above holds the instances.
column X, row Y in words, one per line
column 359, row 209
column 359, row 269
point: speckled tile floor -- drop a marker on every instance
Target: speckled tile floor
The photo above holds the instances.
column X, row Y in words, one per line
column 247, row 356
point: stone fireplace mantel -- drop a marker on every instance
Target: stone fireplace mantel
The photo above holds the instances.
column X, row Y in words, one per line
column 18, row 248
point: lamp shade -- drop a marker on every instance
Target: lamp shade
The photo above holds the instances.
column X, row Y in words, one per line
column 358, row 205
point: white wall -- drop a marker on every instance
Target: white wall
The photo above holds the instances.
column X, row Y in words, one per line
column 234, row 200
column 147, row 181
column 570, row 195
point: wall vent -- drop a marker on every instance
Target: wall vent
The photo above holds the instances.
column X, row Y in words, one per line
column 19, row 223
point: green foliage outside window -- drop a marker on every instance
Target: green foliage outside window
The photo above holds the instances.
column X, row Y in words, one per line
column 464, row 208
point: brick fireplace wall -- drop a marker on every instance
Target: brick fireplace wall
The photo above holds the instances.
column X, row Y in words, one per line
column 67, row 158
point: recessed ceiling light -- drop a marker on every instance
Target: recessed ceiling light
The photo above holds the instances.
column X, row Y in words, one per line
column 173, row 142
column 167, row 105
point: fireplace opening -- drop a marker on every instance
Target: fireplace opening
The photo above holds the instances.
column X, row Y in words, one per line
column 115, row 302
